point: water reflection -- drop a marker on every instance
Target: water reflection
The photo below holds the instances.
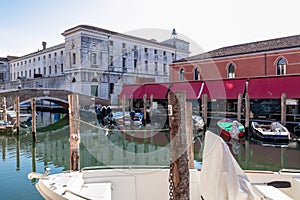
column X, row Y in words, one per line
column 21, row 156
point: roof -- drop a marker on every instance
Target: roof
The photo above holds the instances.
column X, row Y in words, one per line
column 105, row 31
column 247, row 48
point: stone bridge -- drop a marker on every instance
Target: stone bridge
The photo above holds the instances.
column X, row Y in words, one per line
column 58, row 96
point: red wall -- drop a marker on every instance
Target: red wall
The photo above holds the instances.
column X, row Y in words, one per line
column 250, row 65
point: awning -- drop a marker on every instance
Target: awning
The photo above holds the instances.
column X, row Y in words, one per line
column 224, row 89
column 192, row 89
column 159, row 91
column 273, row 87
column 136, row 91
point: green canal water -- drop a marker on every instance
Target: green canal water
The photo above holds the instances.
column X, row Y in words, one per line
column 20, row 156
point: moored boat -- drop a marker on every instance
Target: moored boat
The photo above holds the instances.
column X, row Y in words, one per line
column 219, row 169
column 272, row 132
column 231, row 129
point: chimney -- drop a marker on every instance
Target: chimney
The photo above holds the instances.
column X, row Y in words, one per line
column 44, row 45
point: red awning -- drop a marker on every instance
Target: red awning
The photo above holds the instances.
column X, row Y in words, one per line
column 159, row 91
column 136, row 91
column 192, row 89
column 273, row 87
column 224, row 89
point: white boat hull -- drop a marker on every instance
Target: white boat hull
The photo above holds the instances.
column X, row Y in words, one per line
column 149, row 184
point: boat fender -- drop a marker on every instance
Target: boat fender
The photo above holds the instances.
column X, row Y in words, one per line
column 34, row 175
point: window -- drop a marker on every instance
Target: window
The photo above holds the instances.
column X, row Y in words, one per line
column 25, row 62
column 196, row 74
column 231, row 71
column 111, row 60
column 62, row 68
column 49, row 55
column 29, row 60
column 155, row 51
column 49, row 69
column 165, row 69
column 44, row 57
column 30, row 73
column 55, row 69
column 135, row 65
column 123, row 45
column 39, row 58
column 111, row 43
column 281, row 67
column 93, row 59
column 155, row 68
column 74, row 58
column 45, row 70
column 146, row 65
column 33, row 59
column 94, row 90
column 54, row 54
column 124, row 62
column 181, row 75
column 61, row 53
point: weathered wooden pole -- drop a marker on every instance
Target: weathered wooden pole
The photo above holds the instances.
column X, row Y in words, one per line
column 145, row 107
column 179, row 173
column 283, row 109
column 189, row 134
column 123, row 108
column 17, row 103
column 247, row 110
column 33, row 114
column 4, row 109
column 74, row 120
column 204, row 110
column 151, row 105
column 239, row 107
column 18, row 148
column 131, row 102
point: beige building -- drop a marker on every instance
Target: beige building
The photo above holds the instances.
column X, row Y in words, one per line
column 98, row 62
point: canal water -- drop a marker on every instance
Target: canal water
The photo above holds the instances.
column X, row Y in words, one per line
column 20, row 156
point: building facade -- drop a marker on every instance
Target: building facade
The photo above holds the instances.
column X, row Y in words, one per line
column 98, row 62
column 279, row 56
column 5, row 69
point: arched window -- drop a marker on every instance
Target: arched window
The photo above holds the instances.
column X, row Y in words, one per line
column 231, row 71
column 281, row 67
column 181, row 76
column 196, row 73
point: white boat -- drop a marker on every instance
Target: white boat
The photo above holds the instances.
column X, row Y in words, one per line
column 272, row 132
column 220, row 178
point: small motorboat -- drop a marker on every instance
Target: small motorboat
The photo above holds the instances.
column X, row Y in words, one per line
column 231, row 129
column 272, row 132
column 219, row 169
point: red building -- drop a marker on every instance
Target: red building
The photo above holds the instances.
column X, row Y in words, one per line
column 279, row 56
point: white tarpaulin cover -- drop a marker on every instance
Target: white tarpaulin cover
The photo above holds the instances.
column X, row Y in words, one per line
column 221, row 176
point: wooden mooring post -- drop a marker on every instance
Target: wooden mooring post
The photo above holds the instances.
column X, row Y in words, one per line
column 4, row 109
column 33, row 114
column 204, row 110
column 123, row 108
column 239, row 108
column 247, row 110
column 17, row 110
column 74, row 120
column 189, row 134
column 179, row 173
column 283, row 109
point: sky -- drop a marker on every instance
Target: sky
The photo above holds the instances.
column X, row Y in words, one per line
column 206, row 24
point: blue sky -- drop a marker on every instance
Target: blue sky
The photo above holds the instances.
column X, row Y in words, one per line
column 212, row 24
